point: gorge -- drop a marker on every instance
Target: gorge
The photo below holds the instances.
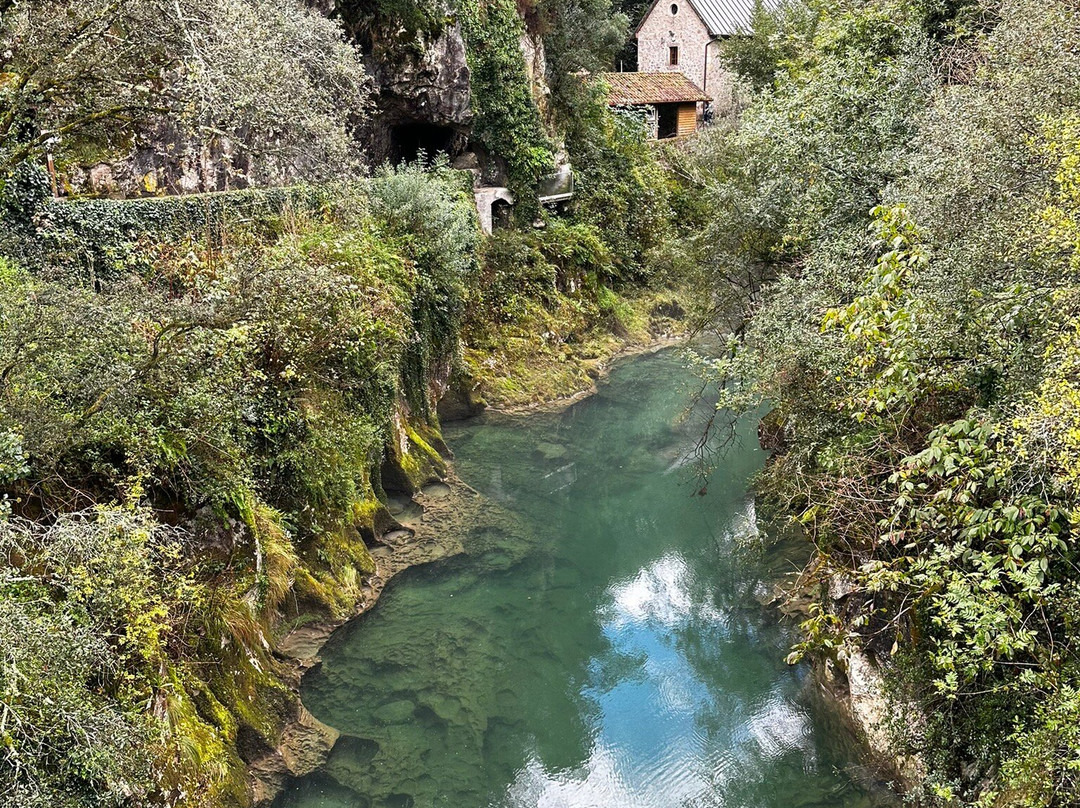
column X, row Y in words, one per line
column 610, row 653
column 323, row 483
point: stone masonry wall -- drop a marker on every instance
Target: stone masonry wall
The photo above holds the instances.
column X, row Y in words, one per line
column 685, row 30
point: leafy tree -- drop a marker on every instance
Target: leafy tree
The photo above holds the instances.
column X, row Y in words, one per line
column 892, row 248
column 582, row 36
column 270, row 78
column 777, row 37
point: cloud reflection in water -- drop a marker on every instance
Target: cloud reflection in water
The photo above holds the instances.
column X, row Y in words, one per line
column 649, row 749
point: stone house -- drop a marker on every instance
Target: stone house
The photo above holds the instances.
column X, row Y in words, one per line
column 684, row 36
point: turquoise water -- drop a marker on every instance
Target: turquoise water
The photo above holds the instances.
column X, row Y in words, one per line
column 611, row 653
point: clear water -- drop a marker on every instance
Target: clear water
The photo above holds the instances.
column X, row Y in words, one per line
column 612, row 654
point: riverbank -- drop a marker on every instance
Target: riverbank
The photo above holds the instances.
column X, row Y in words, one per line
column 489, row 679
column 850, row 682
column 526, row 366
column 426, row 527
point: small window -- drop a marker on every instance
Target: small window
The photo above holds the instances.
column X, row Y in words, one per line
column 673, row 56
column 674, row 9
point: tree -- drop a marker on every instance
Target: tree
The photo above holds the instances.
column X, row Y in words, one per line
column 272, row 79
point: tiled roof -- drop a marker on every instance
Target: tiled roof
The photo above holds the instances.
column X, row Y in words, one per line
column 635, row 89
column 723, row 17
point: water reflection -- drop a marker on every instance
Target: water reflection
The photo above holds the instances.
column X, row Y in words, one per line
column 694, row 739
column 610, row 655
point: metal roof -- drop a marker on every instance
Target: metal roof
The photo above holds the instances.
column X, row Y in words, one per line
column 637, row 89
column 722, row 17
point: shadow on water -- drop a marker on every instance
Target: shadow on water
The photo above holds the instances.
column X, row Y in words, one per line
column 613, row 657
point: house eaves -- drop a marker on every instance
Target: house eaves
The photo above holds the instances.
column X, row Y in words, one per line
column 721, row 17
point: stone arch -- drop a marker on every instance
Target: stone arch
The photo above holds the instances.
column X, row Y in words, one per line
column 490, row 203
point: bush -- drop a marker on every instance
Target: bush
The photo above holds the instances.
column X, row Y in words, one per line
column 245, row 385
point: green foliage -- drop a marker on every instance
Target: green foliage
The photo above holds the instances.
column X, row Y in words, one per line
column 622, row 190
column 435, row 224
column 240, row 363
column 891, row 241
column 989, row 561
column 777, row 39
column 581, row 35
column 522, row 269
column 267, row 78
column 882, row 325
column 411, row 18
column 22, row 193
column 103, row 239
column 507, row 119
column 83, row 627
column 60, row 736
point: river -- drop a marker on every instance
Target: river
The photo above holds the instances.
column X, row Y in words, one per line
column 616, row 657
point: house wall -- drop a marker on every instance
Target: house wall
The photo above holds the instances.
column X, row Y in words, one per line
column 661, row 30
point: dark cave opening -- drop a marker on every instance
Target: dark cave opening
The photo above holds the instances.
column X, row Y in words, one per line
column 411, row 140
column 500, row 214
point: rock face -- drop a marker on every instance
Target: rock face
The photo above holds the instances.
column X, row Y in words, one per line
column 422, row 92
column 532, row 49
column 305, row 744
column 878, row 717
column 869, row 708
column 460, row 399
column 421, row 102
column 164, row 161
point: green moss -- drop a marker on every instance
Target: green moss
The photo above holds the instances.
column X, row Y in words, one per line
column 344, row 550
column 365, row 511
column 546, row 353
column 197, row 753
column 421, row 437
column 318, row 592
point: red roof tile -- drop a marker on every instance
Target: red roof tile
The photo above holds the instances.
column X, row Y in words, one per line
column 636, row 89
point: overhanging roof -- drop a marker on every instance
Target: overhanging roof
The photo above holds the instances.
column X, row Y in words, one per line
column 638, row 89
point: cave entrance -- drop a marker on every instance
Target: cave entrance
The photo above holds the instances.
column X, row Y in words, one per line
column 410, row 140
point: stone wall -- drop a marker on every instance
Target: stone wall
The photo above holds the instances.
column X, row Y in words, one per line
column 685, row 30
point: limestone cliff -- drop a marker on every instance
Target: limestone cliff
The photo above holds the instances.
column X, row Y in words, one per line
column 422, row 102
column 422, row 91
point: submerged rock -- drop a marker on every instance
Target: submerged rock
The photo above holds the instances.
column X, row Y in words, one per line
column 398, row 536
column 436, row 491
column 396, row 712
column 551, row 451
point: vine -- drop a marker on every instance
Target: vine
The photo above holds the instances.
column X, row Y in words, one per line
column 507, row 119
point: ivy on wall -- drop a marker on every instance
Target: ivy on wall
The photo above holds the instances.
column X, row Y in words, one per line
column 507, row 119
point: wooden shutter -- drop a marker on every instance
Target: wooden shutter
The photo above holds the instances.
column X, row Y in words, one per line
column 687, row 119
